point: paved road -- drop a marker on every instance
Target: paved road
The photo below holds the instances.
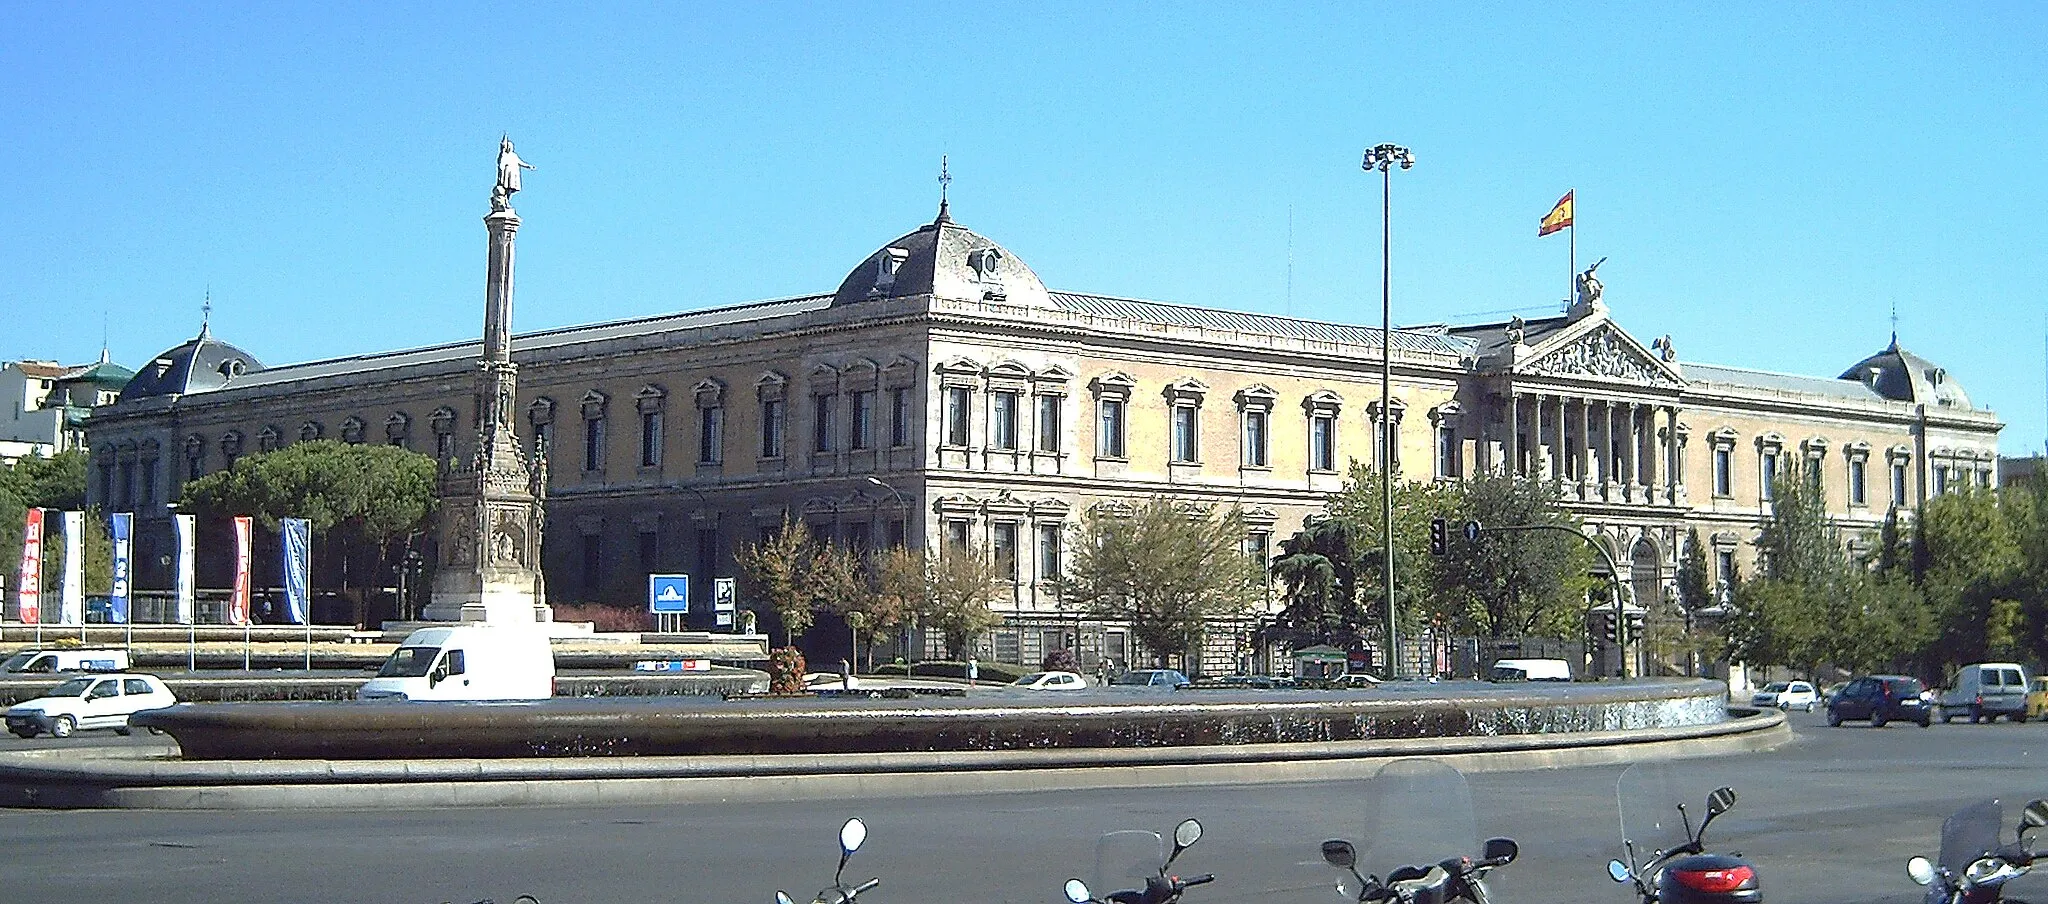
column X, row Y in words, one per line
column 1829, row 818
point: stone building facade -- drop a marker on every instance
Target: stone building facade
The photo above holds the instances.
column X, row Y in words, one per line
column 943, row 393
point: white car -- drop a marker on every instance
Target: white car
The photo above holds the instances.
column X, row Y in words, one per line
column 1787, row 695
column 88, row 702
column 1051, row 681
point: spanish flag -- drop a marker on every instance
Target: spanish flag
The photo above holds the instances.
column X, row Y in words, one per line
column 1558, row 218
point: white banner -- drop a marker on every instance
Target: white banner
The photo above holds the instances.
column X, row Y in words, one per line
column 71, row 594
column 184, row 525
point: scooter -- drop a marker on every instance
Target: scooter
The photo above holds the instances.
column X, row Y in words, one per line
column 1160, row 888
column 1683, row 872
column 1974, row 867
column 850, row 837
column 1422, row 810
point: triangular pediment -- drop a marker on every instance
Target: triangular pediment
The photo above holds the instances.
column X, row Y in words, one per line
column 1605, row 353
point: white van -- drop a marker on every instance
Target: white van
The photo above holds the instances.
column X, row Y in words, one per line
column 52, row 661
column 1530, row 670
column 1985, row 691
column 467, row 662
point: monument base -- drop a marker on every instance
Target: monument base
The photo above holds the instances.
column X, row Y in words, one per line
column 492, row 603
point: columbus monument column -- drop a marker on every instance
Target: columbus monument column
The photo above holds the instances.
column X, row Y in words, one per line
column 491, row 518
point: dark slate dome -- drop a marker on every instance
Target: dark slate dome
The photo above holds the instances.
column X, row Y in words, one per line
column 944, row 260
column 1902, row 376
column 200, row 364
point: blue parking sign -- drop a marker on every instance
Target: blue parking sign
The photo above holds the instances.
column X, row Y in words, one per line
column 668, row 593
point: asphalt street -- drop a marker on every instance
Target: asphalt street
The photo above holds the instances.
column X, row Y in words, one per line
column 1831, row 817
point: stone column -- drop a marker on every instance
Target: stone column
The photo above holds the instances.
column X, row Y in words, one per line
column 1540, row 464
column 1514, row 443
column 1632, row 477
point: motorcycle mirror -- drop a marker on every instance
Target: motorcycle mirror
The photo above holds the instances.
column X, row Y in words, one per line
column 852, row 834
column 1721, row 801
column 1077, row 892
column 1187, row 833
column 1340, row 854
column 1501, row 851
column 2035, row 815
column 1921, row 871
column 1617, row 870
column 782, row 897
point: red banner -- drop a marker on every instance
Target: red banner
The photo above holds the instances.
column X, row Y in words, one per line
column 238, row 604
column 29, row 587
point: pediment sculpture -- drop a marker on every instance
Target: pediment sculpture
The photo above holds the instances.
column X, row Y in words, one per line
column 1603, row 353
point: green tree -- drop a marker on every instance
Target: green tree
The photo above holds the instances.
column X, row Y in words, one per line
column 1512, row 583
column 1358, row 504
column 56, row 483
column 362, row 497
column 776, row 571
column 1790, row 613
column 1695, row 587
column 1318, row 569
column 1966, row 555
column 961, row 584
column 1166, row 568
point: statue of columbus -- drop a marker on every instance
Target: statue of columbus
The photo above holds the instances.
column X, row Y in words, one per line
column 509, row 166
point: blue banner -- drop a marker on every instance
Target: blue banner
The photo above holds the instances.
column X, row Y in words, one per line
column 297, row 534
column 117, row 601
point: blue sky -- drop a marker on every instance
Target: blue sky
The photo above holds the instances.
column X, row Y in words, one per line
column 1767, row 183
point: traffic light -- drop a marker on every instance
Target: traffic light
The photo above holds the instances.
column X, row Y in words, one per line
column 1635, row 624
column 1439, row 537
column 1601, row 624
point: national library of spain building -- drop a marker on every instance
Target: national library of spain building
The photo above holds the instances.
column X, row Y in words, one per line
column 943, row 393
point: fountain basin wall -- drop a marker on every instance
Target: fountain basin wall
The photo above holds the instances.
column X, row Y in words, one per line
column 991, row 721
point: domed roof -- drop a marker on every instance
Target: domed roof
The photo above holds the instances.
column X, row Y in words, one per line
column 1902, row 376
column 202, row 363
column 943, row 260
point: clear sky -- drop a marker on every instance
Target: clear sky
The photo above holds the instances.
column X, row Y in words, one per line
column 1766, row 182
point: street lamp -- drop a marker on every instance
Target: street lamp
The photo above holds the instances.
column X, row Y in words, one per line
column 1383, row 158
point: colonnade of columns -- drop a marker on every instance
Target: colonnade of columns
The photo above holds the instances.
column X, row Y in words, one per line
column 1596, row 450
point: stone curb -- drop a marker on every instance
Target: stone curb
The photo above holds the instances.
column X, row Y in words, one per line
column 56, row 779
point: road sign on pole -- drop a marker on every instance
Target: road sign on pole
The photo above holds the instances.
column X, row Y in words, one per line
column 724, row 599
column 1471, row 531
column 668, row 593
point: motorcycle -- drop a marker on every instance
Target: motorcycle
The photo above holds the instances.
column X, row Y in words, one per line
column 1421, row 811
column 1974, row 867
column 1667, row 859
column 1121, row 856
column 850, row 837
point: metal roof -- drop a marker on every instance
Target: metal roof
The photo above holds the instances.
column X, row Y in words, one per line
column 1763, row 379
column 1416, row 341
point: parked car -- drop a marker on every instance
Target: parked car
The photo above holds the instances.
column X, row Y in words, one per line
column 467, row 662
column 1830, row 692
column 33, row 661
column 1051, row 681
column 1166, row 678
column 1881, row 699
column 89, row 702
column 1984, row 691
column 2037, row 698
column 1785, row 695
column 1530, row 670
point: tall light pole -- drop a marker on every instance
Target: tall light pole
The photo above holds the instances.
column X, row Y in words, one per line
column 1383, row 158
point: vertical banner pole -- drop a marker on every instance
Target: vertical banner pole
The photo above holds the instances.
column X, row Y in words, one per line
column 296, row 537
column 71, row 593
column 118, row 598
column 185, row 610
column 238, row 602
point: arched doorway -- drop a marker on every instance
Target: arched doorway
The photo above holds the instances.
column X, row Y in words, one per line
column 1645, row 574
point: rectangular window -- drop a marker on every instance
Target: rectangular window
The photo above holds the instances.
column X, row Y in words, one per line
column 861, row 433
column 1255, row 437
column 1003, row 417
column 543, row 439
column 593, row 571
column 1940, row 480
column 650, row 552
column 1049, row 423
column 1898, row 483
column 444, row 446
column 822, row 420
column 1186, row 435
column 1447, row 463
column 710, row 435
column 1258, row 547
column 1322, row 442
column 1857, row 494
column 899, row 418
column 1724, row 567
column 956, row 415
column 1048, row 551
column 899, row 533
column 1109, row 438
column 956, row 533
column 650, row 439
column 1723, row 473
column 195, row 468
column 1984, row 478
column 1386, row 445
column 1767, row 473
column 707, row 555
column 593, row 444
column 771, row 429
column 859, row 537
column 149, row 482
column 1003, row 545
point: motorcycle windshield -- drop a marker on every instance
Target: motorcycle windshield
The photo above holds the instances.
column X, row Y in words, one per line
column 1124, row 860
column 1971, row 832
column 1661, row 804
column 1418, row 812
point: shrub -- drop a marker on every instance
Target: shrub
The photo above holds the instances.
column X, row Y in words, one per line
column 1060, row 660
column 786, row 671
column 608, row 619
